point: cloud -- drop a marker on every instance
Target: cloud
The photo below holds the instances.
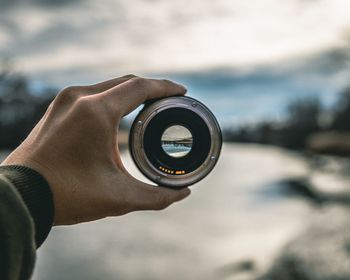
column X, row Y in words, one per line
column 63, row 40
column 244, row 59
column 6, row 4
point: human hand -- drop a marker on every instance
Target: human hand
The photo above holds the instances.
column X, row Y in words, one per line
column 74, row 146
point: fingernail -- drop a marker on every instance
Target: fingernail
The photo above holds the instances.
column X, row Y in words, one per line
column 184, row 88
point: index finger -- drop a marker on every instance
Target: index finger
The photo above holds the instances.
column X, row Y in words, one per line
column 105, row 85
column 129, row 95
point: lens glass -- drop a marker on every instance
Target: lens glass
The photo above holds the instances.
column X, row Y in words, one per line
column 177, row 141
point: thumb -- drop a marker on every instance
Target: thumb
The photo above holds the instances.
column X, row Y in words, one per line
column 150, row 197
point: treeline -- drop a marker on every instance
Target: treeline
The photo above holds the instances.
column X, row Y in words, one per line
column 20, row 107
column 304, row 118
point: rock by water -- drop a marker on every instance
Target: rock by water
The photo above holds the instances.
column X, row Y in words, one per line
column 322, row 252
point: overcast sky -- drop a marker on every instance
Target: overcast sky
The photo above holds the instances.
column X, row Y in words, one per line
column 65, row 40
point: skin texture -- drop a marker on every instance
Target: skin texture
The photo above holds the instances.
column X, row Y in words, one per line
column 74, row 147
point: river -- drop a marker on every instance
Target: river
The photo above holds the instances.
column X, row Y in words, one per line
column 236, row 214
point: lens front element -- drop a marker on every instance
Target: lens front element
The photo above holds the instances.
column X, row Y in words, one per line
column 177, row 141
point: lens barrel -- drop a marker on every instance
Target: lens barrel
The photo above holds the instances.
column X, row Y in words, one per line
column 175, row 141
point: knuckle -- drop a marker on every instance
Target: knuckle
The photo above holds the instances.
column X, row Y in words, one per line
column 129, row 76
column 67, row 95
column 166, row 81
column 72, row 90
column 85, row 105
column 138, row 82
column 92, row 109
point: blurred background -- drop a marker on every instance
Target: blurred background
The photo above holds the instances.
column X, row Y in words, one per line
column 277, row 76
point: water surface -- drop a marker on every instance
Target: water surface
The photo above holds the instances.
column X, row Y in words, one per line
column 230, row 216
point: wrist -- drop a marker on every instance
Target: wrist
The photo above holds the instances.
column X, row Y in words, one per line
column 36, row 194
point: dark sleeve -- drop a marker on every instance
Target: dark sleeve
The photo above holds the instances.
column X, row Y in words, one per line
column 26, row 217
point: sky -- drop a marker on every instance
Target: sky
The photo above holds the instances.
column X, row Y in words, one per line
column 63, row 42
column 176, row 132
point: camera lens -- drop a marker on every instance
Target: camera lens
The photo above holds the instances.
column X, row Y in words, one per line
column 175, row 141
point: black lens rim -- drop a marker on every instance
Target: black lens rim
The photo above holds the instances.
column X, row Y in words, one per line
column 200, row 147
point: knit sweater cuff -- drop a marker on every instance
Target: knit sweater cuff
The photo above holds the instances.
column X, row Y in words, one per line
column 36, row 194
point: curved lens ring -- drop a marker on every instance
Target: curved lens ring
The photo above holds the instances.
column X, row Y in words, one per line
column 142, row 151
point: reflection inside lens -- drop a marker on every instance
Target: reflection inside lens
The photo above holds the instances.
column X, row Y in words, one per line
column 177, row 141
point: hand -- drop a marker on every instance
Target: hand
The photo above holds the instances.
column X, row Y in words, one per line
column 74, row 146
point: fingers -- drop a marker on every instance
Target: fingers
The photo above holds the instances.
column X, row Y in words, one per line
column 71, row 94
column 127, row 96
column 148, row 197
column 103, row 86
column 158, row 198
